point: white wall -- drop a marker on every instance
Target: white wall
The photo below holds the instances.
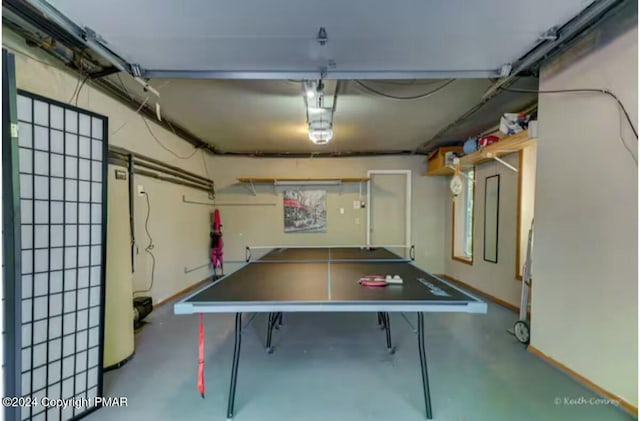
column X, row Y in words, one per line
column 584, row 302
column 496, row 279
column 263, row 225
column 180, row 232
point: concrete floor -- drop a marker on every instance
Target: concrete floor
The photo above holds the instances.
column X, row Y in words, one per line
column 336, row 367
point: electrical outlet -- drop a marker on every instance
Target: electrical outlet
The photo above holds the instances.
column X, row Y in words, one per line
column 341, row 211
column 140, row 190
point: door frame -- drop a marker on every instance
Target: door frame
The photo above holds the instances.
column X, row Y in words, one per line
column 407, row 214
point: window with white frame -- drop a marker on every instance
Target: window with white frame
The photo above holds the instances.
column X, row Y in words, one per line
column 462, row 219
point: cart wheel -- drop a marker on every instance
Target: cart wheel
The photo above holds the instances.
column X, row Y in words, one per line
column 521, row 331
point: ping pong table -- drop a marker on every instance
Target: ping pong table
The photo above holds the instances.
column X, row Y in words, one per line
column 326, row 279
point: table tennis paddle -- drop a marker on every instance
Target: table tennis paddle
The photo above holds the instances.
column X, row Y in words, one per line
column 380, row 281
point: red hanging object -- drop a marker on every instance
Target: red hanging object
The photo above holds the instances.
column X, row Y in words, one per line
column 216, row 243
column 201, row 358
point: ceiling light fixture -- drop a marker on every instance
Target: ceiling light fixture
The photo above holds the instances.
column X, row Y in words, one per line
column 320, row 131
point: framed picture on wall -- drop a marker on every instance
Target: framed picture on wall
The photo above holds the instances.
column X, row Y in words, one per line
column 305, row 210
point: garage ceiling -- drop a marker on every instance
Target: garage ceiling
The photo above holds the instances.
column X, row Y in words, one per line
column 376, row 37
column 230, row 72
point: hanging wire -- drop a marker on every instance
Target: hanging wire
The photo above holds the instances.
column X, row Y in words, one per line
column 405, row 98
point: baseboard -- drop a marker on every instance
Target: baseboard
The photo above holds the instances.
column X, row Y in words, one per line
column 181, row 292
column 627, row 406
column 493, row 298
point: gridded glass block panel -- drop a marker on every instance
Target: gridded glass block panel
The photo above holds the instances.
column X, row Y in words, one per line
column 26, row 334
column 26, row 236
column 57, row 117
column 26, row 186
column 26, row 357
column 85, row 192
column 83, row 302
column 96, row 231
column 55, row 307
column 94, row 316
column 70, row 212
column 27, row 309
column 94, row 296
column 69, row 303
column 55, row 331
column 54, row 379
column 81, row 381
column 41, row 210
column 84, row 213
column 27, row 261
column 41, row 236
column 83, row 256
column 39, row 331
column 41, row 307
column 70, row 239
column 83, row 316
column 55, row 279
column 57, row 167
column 96, row 150
column 67, row 412
column 41, row 163
column 40, row 289
column 96, row 192
column 25, row 160
column 83, row 277
column 70, row 279
column 85, row 125
column 96, row 128
column 57, row 231
column 96, row 171
column 41, row 188
column 40, row 355
column 41, row 138
column 71, row 145
column 71, row 121
column 96, row 275
column 41, row 260
column 56, row 139
column 27, row 285
column 41, row 113
column 68, row 362
column 92, row 377
column 39, row 378
column 24, row 105
column 25, row 135
column 84, row 234
column 57, row 217
column 26, row 211
column 26, row 411
column 71, row 167
column 84, row 170
column 84, row 147
column 96, row 255
column 68, row 347
column 81, row 340
column 93, row 336
column 96, row 213
column 56, row 258
column 93, row 356
column 60, row 160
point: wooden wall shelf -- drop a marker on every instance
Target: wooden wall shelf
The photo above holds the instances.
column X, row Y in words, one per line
column 507, row 145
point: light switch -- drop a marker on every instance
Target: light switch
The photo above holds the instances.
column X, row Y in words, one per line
column 341, row 211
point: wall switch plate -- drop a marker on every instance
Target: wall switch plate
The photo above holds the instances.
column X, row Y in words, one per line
column 341, row 211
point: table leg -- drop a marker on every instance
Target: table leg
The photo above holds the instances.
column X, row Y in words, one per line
column 273, row 319
column 380, row 320
column 387, row 325
column 234, row 367
column 423, row 366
